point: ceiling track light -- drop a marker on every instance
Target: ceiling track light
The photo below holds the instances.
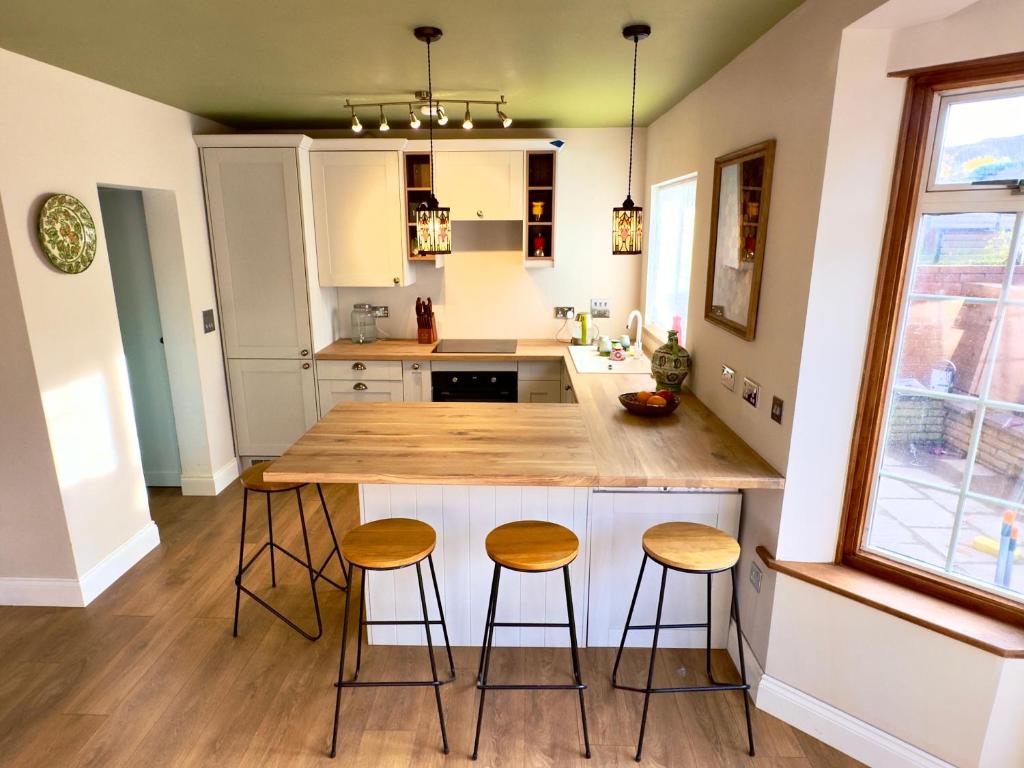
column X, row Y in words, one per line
column 384, row 127
column 429, row 107
column 442, row 116
column 357, row 127
column 504, row 119
column 467, row 121
column 414, row 121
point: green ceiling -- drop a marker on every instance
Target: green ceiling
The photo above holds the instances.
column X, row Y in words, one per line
column 291, row 63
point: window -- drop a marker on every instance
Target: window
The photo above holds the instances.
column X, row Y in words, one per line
column 935, row 494
column 670, row 254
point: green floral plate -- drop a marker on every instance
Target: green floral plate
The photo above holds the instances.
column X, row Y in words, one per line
column 67, row 233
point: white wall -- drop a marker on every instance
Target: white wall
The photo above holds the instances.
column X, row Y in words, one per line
column 60, row 132
column 481, row 294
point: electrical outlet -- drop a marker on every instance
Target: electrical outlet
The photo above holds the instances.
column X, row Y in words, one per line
column 755, row 576
column 208, row 326
column 600, row 308
column 751, row 391
column 728, row 378
column 565, row 313
column 776, row 409
column 381, row 311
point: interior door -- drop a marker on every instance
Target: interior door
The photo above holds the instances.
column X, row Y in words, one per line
column 480, row 186
column 256, row 228
column 273, row 404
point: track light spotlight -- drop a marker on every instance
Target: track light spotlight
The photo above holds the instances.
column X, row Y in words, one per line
column 414, row 121
column 357, row 127
column 442, row 116
column 384, row 127
column 506, row 121
column 467, row 123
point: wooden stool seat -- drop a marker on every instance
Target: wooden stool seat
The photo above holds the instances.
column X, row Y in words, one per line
column 691, row 547
column 532, row 545
column 252, row 479
column 382, row 545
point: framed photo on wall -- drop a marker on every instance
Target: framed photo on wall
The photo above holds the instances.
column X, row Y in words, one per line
column 739, row 225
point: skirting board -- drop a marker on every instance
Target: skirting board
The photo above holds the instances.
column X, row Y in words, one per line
column 838, row 729
column 754, row 670
column 78, row 593
column 210, row 485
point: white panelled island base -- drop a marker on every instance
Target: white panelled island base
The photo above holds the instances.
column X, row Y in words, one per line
column 609, row 524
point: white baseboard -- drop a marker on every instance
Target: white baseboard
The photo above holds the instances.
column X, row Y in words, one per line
column 78, row 593
column 850, row 735
column 754, row 669
column 210, row 485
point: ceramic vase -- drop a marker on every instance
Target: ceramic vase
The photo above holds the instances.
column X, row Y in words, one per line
column 670, row 364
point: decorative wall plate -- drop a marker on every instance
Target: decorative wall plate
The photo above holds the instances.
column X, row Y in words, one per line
column 67, row 233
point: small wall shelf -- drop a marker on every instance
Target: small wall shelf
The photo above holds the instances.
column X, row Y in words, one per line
column 539, row 227
column 417, row 190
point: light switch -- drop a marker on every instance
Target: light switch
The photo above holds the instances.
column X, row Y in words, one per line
column 751, row 391
column 777, row 409
column 208, row 326
column 728, row 378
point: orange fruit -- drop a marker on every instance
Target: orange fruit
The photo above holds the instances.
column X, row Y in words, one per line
column 643, row 397
column 656, row 400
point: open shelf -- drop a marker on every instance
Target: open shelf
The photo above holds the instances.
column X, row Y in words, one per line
column 417, row 190
column 539, row 227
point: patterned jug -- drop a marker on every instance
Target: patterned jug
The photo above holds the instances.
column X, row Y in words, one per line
column 670, row 364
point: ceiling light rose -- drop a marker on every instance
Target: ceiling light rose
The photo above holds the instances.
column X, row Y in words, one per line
column 384, row 127
column 467, row 122
column 628, row 219
column 414, row 121
column 433, row 223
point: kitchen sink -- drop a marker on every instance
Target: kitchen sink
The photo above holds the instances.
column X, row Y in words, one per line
column 587, row 360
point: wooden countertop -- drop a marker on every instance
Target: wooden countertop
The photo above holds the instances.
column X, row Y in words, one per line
column 594, row 442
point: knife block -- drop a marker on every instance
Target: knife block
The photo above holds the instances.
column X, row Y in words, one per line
column 427, row 335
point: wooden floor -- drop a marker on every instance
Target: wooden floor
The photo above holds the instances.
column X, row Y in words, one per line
column 149, row 675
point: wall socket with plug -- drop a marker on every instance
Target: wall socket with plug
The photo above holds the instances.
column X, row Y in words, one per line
column 381, row 311
column 565, row 313
column 600, row 308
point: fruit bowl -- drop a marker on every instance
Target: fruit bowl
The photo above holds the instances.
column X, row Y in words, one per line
column 633, row 404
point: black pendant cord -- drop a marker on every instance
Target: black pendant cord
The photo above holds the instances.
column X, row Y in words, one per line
column 430, row 125
column 632, row 116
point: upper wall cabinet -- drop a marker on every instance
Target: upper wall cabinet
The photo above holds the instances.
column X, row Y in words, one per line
column 480, row 186
column 256, row 228
column 358, row 218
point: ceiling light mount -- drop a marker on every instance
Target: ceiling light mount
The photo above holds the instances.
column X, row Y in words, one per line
column 636, row 32
column 427, row 34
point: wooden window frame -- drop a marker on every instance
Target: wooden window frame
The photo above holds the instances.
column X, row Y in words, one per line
column 912, row 162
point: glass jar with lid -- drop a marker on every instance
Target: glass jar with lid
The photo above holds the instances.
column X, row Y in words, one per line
column 364, row 324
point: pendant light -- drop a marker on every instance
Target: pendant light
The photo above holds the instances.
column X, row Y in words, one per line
column 433, row 223
column 628, row 219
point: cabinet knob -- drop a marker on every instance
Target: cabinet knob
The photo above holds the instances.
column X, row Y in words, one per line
column 359, row 386
column 358, row 366
column 305, row 366
column 395, row 280
column 415, row 366
column 304, row 353
column 568, row 387
column 480, row 214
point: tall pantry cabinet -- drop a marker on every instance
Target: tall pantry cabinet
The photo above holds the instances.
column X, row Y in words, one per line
column 273, row 312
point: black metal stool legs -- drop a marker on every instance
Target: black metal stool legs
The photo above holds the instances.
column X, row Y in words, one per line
column 241, row 556
column 488, row 645
column 657, row 627
column 426, row 623
column 270, row 536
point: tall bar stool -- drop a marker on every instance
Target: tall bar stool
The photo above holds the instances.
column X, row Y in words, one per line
column 529, row 546
column 688, row 548
column 386, row 545
column 252, row 481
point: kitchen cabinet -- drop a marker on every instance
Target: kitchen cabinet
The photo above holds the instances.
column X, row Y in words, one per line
column 416, row 386
column 618, row 521
column 358, row 219
column 480, row 186
column 253, row 200
column 334, row 391
column 540, row 391
column 568, row 393
column 273, row 403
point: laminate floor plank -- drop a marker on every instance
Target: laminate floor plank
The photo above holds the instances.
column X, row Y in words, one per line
column 149, row 674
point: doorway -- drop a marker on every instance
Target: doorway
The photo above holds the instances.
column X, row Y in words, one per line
column 138, row 313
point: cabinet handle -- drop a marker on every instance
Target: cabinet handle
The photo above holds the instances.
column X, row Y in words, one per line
column 359, row 386
column 358, row 366
column 305, row 366
column 568, row 387
column 480, row 214
column 304, row 353
column 415, row 366
column 395, row 280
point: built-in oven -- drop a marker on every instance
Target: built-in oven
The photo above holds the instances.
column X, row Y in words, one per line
column 475, row 386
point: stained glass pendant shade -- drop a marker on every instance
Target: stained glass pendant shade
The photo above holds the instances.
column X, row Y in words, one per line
column 628, row 218
column 433, row 222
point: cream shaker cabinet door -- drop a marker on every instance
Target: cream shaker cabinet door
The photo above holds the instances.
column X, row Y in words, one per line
column 273, row 404
column 252, row 197
column 540, row 391
column 334, row 391
column 416, row 381
column 358, row 218
column 480, row 186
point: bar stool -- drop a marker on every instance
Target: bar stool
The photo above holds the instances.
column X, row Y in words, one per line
column 252, row 481
column 688, row 548
column 386, row 545
column 529, row 546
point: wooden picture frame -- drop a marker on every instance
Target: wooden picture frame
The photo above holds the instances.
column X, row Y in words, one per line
column 738, row 232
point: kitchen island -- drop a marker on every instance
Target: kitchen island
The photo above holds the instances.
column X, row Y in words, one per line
column 591, row 466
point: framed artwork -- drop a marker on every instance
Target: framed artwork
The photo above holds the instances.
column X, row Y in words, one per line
column 739, row 225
